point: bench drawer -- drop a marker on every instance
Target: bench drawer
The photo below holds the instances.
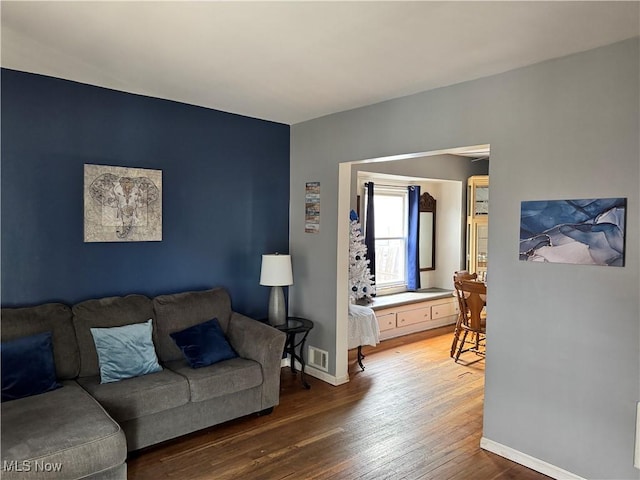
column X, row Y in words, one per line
column 409, row 317
column 444, row 310
column 387, row 321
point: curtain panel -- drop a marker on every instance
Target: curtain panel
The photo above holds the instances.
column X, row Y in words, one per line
column 370, row 236
column 413, row 259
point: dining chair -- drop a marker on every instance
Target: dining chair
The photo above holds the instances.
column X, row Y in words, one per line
column 474, row 299
column 458, row 277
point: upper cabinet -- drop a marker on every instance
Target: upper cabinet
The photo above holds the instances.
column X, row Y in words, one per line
column 480, row 195
column 478, row 224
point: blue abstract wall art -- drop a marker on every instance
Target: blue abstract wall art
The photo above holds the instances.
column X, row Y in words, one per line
column 587, row 231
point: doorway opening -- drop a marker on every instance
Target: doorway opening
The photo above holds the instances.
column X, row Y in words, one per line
column 449, row 165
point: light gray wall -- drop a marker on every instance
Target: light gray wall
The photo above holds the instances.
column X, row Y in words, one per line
column 563, row 367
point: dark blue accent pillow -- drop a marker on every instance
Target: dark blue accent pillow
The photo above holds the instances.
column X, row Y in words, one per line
column 204, row 344
column 27, row 366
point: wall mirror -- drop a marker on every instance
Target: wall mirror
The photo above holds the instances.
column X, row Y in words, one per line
column 427, row 232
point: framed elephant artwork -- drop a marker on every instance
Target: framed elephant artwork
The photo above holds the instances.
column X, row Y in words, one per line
column 122, row 204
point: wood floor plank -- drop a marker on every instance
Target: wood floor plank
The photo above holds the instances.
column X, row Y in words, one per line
column 413, row 414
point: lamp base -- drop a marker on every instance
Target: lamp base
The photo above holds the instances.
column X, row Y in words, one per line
column 277, row 307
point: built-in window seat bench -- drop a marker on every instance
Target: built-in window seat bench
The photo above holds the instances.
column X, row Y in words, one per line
column 409, row 312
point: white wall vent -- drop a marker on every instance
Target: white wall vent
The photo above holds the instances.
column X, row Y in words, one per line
column 318, row 358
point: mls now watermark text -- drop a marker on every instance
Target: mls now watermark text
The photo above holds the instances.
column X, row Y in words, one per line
column 30, row 466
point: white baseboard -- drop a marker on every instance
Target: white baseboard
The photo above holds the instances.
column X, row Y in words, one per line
column 325, row 377
column 314, row 372
column 527, row 460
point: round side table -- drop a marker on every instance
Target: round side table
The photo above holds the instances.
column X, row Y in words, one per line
column 297, row 330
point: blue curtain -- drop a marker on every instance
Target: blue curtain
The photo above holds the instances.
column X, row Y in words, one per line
column 369, row 230
column 413, row 260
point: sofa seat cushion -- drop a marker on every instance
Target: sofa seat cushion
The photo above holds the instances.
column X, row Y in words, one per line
column 223, row 378
column 65, row 429
column 139, row 396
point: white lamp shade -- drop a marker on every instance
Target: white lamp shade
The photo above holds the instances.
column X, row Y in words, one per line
column 276, row 270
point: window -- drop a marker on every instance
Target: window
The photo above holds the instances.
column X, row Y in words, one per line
column 391, row 238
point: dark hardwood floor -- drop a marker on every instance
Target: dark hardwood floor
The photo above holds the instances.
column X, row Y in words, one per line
column 412, row 414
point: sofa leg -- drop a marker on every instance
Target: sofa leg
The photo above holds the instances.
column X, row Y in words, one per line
column 266, row 411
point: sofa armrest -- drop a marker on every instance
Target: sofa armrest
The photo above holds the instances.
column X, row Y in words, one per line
column 264, row 344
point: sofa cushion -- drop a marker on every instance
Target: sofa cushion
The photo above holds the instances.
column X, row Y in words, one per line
column 229, row 376
column 27, row 366
column 139, row 396
column 64, row 428
column 203, row 344
column 182, row 310
column 104, row 313
column 125, row 352
column 50, row 317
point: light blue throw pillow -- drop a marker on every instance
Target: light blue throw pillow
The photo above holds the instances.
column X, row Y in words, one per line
column 125, row 352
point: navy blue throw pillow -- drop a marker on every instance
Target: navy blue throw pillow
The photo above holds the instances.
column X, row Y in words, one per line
column 27, row 366
column 203, row 344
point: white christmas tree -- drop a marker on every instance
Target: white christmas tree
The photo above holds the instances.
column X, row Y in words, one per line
column 361, row 284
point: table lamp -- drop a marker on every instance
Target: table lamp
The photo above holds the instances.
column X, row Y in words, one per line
column 276, row 273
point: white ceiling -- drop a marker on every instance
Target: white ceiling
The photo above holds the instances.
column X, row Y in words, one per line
column 293, row 61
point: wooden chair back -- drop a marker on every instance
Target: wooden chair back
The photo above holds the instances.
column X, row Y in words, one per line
column 464, row 275
column 459, row 277
column 474, row 298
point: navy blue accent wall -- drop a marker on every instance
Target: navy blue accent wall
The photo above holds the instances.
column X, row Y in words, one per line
column 225, row 198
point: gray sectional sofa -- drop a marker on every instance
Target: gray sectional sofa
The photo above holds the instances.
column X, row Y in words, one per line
column 85, row 428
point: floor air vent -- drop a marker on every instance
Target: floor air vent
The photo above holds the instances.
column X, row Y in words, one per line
column 318, row 358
